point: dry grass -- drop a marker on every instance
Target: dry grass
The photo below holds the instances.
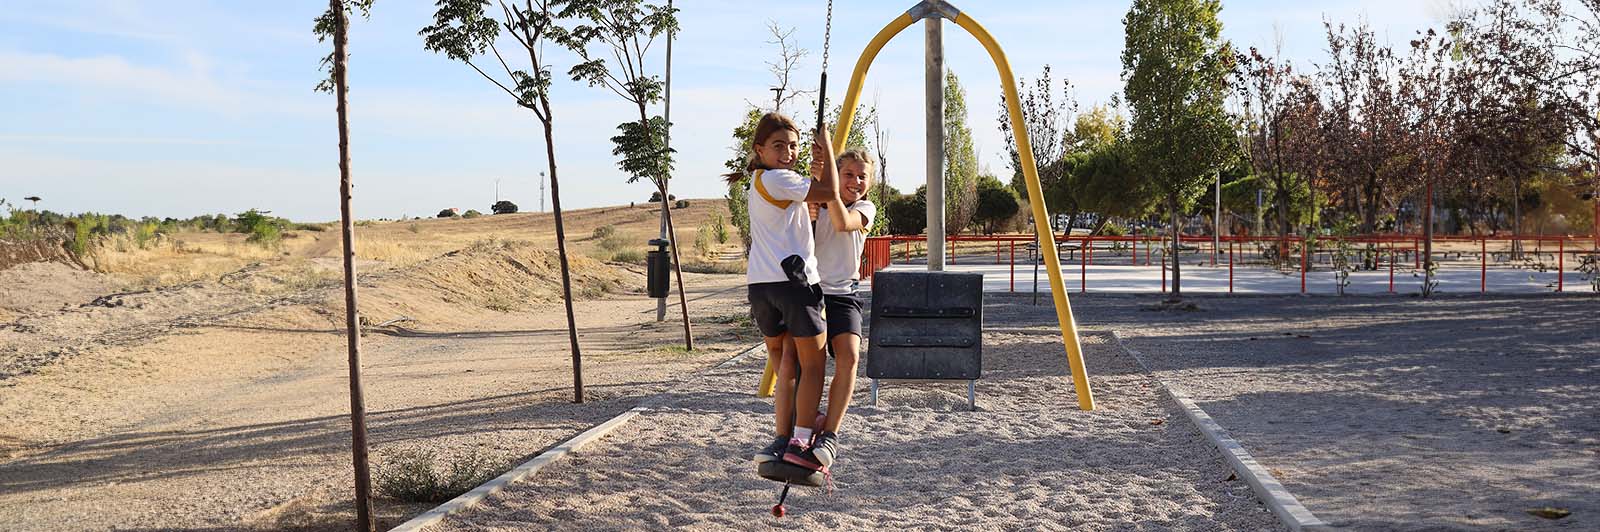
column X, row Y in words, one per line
column 198, row 256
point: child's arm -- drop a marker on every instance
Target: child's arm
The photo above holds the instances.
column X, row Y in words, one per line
column 842, row 219
column 826, row 187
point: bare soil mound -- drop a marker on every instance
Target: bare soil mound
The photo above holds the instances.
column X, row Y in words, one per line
column 46, row 286
column 69, row 311
column 457, row 289
column 50, row 249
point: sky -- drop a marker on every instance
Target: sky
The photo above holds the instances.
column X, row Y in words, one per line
column 175, row 108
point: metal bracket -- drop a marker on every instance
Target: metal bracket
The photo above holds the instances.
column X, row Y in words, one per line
column 933, row 8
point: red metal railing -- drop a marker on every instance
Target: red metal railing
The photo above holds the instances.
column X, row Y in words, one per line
column 880, row 251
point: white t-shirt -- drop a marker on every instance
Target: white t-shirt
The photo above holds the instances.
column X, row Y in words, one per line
column 839, row 253
column 779, row 232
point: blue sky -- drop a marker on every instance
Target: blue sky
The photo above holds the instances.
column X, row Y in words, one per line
column 178, row 108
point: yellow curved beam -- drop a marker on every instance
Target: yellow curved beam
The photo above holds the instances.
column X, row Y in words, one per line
column 1041, row 219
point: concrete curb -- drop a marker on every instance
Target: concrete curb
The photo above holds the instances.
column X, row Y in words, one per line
column 479, row 494
column 1272, row 493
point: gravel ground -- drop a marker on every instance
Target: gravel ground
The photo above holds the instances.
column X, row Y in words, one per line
column 1029, row 459
column 1394, row 413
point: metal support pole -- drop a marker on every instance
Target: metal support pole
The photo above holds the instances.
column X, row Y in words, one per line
column 874, row 392
column 972, row 395
column 934, row 92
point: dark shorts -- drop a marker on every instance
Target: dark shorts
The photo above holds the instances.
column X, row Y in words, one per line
column 783, row 307
column 844, row 314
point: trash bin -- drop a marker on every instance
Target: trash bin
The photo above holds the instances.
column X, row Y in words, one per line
column 658, row 269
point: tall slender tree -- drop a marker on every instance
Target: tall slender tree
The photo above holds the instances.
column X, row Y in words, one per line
column 961, row 158
column 626, row 30
column 1176, row 69
column 335, row 22
column 466, row 31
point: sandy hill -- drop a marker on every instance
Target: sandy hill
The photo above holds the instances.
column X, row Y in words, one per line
column 455, row 274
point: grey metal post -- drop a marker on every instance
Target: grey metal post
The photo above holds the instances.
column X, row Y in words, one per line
column 934, row 86
column 661, row 304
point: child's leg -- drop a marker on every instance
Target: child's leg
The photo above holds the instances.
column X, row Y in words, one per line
column 808, row 396
column 846, row 355
column 780, row 349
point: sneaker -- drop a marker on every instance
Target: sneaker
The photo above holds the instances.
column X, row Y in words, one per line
column 826, row 448
column 802, row 455
column 774, row 451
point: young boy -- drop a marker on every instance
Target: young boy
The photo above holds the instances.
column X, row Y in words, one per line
column 841, row 234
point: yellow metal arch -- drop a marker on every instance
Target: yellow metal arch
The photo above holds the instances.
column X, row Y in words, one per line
column 1041, row 219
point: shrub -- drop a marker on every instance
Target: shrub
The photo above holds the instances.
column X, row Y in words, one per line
column 471, row 213
column 719, row 228
column 414, row 228
column 656, row 196
column 447, row 213
column 702, row 241
column 1114, row 229
column 613, row 242
column 265, row 233
column 603, row 232
column 504, row 207
column 414, row 476
column 681, row 204
column 630, row 256
column 143, row 234
column 908, row 214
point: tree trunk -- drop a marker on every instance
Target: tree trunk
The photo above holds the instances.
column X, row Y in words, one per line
column 1516, row 218
column 561, row 251
column 1284, row 225
column 1427, row 244
column 1177, row 249
column 352, row 322
column 677, row 270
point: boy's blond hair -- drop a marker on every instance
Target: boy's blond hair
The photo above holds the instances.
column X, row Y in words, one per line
column 861, row 155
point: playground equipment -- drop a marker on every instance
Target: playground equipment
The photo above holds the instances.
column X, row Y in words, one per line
column 927, row 325
column 933, row 13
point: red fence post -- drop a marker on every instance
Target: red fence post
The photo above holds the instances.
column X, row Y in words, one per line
column 1135, row 250
column 1013, row 266
column 1561, row 263
column 1483, row 255
column 1230, row 266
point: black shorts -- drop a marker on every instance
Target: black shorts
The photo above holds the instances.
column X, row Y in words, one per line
column 783, row 307
column 844, row 314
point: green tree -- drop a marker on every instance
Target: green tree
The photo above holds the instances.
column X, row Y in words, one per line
column 464, row 31
column 997, row 204
column 908, row 214
column 625, row 30
column 738, row 203
column 960, row 159
column 1176, row 68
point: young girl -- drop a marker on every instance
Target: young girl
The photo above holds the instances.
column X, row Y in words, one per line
column 841, row 234
column 785, row 299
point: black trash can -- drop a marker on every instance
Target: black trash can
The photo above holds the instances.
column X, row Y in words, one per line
column 658, row 269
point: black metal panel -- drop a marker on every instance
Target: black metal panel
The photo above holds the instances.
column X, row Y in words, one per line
column 926, row 325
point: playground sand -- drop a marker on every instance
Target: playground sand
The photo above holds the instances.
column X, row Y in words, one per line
column 1028, row 460
column 1396, row 413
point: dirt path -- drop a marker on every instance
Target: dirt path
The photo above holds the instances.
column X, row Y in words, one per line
column 1456, row 413
column 1028, row 460
column 242, row 423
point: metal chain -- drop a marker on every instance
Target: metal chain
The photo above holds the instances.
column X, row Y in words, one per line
column 827, row 34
